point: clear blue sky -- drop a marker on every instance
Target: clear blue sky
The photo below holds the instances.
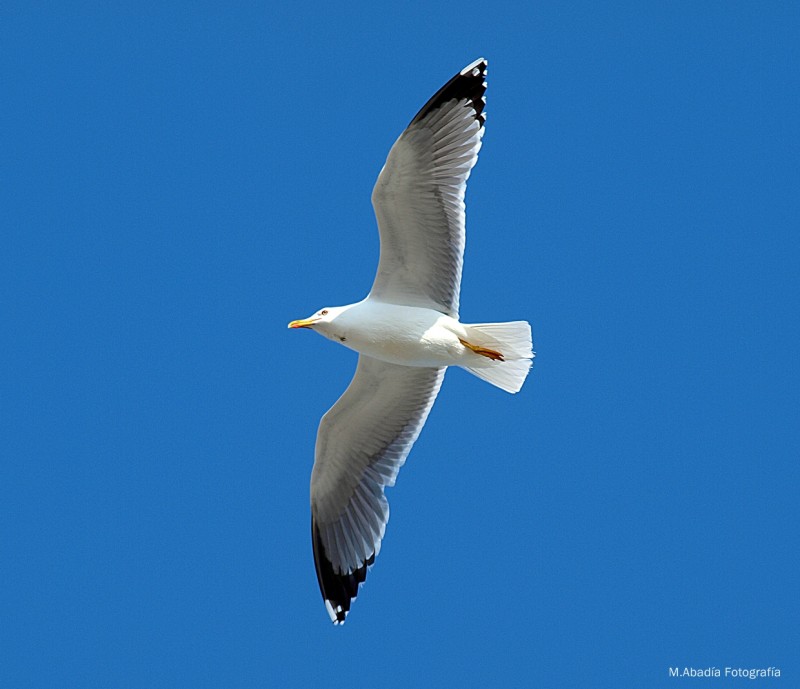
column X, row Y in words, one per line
column 178, row 181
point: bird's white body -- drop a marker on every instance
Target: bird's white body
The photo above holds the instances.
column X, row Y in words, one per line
column 419, row 337
column 406, row 335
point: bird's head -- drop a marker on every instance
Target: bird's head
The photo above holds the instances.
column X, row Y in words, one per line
column 322, row 321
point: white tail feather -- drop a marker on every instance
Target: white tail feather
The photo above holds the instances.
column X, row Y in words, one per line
column 513, row 341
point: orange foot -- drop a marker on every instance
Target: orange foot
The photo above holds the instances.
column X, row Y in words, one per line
column 483, row 351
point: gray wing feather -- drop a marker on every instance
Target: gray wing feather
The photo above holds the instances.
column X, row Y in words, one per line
column 362, row 442
column 419, row 197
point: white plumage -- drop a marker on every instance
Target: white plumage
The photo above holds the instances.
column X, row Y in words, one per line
column 406, row 332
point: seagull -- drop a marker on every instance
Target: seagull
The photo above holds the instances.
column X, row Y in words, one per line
column 406, row 332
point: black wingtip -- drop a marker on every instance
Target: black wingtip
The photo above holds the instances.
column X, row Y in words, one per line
column 338, row 590
column 469, row 83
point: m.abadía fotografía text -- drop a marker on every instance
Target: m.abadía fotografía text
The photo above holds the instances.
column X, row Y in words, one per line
column 727, row 671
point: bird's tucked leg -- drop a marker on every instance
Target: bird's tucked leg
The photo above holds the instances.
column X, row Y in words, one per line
column 492, row 354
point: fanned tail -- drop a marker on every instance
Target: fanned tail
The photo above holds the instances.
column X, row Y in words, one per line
column 511, row 339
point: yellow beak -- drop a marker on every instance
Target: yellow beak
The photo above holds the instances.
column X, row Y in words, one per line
column 305, row 323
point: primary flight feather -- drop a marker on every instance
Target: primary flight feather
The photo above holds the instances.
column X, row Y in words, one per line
column 406, row 332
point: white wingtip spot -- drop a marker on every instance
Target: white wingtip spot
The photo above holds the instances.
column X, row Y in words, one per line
column 473, row 69
column 330, row 610
column 333, row 612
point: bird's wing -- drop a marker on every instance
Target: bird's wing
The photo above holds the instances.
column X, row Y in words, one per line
column 362, row 442
column 419, row 197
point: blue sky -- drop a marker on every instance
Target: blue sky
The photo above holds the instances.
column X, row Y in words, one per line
column 179, row 180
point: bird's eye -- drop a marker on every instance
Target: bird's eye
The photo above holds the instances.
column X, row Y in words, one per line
column 324, row 312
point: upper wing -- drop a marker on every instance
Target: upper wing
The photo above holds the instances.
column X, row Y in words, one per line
column 419, row 197
column 362, row 442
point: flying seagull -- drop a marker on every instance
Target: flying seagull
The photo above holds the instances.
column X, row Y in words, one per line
column 406, row 332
